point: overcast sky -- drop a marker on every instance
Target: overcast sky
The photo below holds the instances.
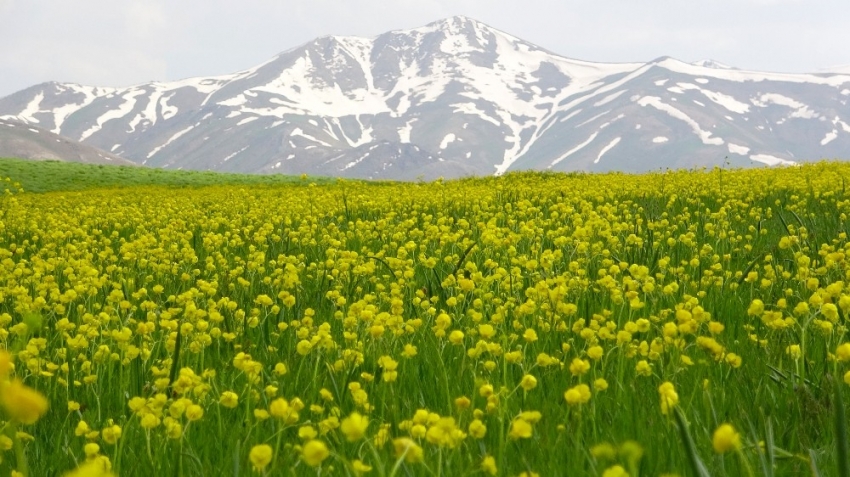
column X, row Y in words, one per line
column 124, row 42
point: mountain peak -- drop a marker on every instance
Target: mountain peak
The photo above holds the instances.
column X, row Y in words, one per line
column 709, row 63
column 457, row 21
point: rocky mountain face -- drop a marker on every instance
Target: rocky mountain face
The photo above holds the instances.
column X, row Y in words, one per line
column 24, row 141
column 453, row 98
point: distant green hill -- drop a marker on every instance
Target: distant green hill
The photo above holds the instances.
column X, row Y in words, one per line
column 47, row 176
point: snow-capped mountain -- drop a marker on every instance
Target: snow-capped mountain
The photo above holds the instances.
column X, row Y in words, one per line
column 455, row 97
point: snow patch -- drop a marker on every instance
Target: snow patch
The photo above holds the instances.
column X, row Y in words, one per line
column 593, row 118
column 473, row 110
column 726, row 101
column 609, row 98
column 736, row 149
column 567, row 117
column 31, row 108
column 297, row 132
column 355, row 162
column 450, row 138
column 701, row 80
column 771, row 160
column 247, row 120
column 170, row 140
column 656, row 103
column 830, row 136
column 800, row 110
column 606, row 149
column 575, row 149
column 168, row 111
column 231, row 156
column 122, row 110
column 404, row 131
column 749, row 76
column 659, row 139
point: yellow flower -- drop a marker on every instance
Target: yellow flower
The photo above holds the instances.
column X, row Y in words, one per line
column 229, row 399
column 111, row 434
column 643, row 368
column 409, row 352
column 149, row 421
column 578, row 394
column 92, row 468
column 307, row 432
column 359, row 467
column 579, row 366
column 488, row 465
column 528, row 382
column 615, row 471
column 22, row 403
column 314, row 453
column 354, row 426
column 92, row 450
column 600, row 384
column 462, row 402
column 6, row 364
column 477, row 429
column 260, row 456
column 520, row 429
column 842, row 353
column 669, row 397
column 604, row 451
column 407, row 448
column 82, row 429
column 733, row 360
column 194, row 412
column 725, row 439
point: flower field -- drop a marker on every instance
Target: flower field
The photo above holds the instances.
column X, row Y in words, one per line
column 678, row 323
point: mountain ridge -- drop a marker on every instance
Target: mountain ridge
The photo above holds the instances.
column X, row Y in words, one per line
column 470, row 97
column 24, row 141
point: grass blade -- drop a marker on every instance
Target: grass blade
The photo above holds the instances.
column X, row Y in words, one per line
column 690, row 448
column 769, row 447
column 841, row 433
column 813, row 463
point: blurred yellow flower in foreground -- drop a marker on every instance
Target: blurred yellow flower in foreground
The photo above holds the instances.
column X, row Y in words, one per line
column 22, row 403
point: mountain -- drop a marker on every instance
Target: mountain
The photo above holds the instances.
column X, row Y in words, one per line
column 453, row 98
column 24, row 141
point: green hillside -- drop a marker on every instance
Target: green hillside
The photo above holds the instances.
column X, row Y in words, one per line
column 47, row 176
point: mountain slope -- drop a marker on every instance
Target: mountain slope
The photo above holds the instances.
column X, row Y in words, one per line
column 23, row 141
column 455, row 97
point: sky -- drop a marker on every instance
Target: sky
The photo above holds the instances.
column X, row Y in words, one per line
column 126, row 42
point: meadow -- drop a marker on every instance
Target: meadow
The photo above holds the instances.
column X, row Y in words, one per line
column 49, row 176
column 687, row 323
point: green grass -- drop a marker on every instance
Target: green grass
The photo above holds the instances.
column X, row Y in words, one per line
column 49, row 176
column 107, row 295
